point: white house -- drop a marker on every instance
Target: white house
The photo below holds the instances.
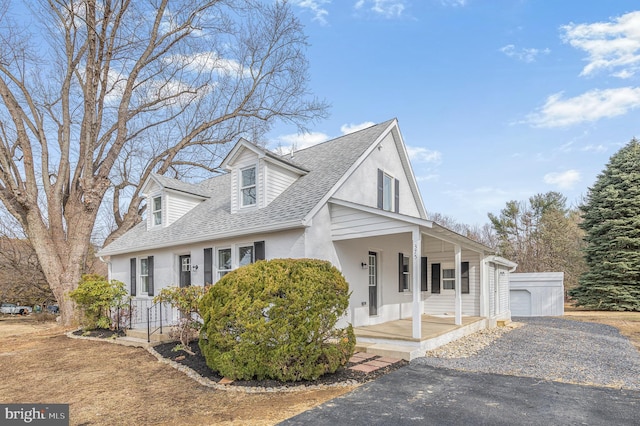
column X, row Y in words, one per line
column 353, row 201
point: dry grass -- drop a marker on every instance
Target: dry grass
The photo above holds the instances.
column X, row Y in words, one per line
column 627, row 322
column 107, row 384
column 112, row 384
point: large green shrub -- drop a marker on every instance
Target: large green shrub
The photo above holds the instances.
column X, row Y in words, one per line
column 276, row 319
column 95, row 296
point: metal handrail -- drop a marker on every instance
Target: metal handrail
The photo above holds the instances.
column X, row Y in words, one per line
column 149, row 332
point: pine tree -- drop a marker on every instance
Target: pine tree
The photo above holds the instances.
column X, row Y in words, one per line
column 612, row 224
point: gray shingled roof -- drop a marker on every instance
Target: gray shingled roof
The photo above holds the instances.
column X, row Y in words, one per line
column 178, row 185
column 212, row 219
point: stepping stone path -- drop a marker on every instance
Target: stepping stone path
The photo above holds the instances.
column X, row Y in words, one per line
column 368, row 363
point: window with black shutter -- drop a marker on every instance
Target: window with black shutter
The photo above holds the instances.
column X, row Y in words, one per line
column 403, row 273
column 150, row 264
column 435, row 278
column 132, row 273
column 464, row 277
column 259, row 250
column 423, row 274
column 208, row 266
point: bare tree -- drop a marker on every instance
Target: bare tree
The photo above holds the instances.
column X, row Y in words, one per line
column 483, row 234
column 97, row 94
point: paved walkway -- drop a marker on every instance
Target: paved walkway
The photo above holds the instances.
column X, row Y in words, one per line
column 368, row 363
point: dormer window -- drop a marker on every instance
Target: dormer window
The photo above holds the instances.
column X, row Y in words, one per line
column 157, row 211
column 248, row 186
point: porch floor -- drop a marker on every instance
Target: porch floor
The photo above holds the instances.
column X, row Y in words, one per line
column 394, row 338
column 432, row 327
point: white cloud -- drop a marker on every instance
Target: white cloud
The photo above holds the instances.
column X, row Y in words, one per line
column 590, row 106
column 455, row 3
column 316, row 7
column 385, row 8
column 594, row 148
column 564, row 180
column 350, row 128
column 296, row 141
column 523, row 54
column 613, row 45
column 424, row 155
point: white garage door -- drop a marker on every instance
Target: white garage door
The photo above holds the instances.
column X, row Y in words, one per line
column 520, row 303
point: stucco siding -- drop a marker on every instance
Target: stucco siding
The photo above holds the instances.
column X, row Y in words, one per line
column 362, row 186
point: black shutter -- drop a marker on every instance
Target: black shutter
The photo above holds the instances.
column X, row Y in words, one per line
column 400, row 272
column 150, row 267
column 423, row 274
column 132, row 271
column 380, row 188
column 208, row 266
column 396, row 193
column 435, row 278
column 464, row 277
column 258, row 250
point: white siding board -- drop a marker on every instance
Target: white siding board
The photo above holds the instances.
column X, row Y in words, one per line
column 178, row 205
column 444, row 303
column 279, row 179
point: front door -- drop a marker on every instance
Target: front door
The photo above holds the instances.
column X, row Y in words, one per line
column 373, row 283
column 185, row 271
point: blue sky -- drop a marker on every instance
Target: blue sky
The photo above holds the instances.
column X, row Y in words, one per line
column 497, row 100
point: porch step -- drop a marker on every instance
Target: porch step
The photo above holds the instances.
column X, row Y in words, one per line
column 141, row 334
column 392, row 351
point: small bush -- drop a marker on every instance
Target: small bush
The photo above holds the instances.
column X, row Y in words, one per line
column 276, row 319
column 186, row 300
column 95, row 297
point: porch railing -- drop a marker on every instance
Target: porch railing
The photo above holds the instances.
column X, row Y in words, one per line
column 144, row 314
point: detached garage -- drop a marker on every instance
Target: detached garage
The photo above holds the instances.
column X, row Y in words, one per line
column 537, row 294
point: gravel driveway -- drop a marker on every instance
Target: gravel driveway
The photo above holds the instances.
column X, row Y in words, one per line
column 556, row 349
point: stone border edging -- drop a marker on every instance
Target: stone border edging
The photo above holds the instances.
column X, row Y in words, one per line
column 189, row 372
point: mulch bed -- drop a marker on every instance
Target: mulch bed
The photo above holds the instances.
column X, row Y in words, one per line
column 100, row 333
column 197, row 363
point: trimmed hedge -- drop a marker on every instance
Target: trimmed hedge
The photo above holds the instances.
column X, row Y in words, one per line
column 276, row 319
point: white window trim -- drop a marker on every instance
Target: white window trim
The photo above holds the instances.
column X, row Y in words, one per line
column 235, row 256
column 444, row 266
column 218, row 269
column 391, row 195
column 141, row 289
column 154, row 211
column 242, row 188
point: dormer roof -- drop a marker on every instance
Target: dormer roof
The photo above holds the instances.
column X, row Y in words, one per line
column 170, row 184
column 281, row 160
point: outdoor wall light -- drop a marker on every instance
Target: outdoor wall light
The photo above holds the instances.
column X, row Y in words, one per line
column 364, row 265
column 194, row 268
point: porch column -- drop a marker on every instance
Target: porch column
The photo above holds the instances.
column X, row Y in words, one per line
column 484, row 288
column 458, row 285
column 415, row 284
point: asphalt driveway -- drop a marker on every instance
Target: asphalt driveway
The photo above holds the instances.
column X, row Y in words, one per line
column 424, row 394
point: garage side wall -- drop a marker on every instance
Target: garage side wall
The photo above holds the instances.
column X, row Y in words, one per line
column 537, row 294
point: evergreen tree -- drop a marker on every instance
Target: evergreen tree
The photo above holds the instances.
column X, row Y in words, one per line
column 611, row 216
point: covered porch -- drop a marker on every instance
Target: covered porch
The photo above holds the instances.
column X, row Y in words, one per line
column 395, row 338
